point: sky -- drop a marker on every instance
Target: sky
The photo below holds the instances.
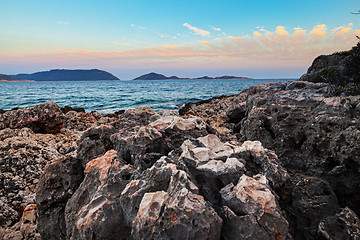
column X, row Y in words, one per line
column 258, row 38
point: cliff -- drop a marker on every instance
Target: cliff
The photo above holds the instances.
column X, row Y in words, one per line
column 276, row 161
column 340, row 70
column 68, row 75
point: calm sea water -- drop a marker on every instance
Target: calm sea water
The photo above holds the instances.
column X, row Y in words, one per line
column 111, row 96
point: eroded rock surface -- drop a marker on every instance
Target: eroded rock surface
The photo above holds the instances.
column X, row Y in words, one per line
column 277, row 161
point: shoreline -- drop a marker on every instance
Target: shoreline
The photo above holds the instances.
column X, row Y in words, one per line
column 251, row 165
column 141, row 144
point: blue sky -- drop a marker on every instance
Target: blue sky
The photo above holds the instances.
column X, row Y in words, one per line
column 261, row 39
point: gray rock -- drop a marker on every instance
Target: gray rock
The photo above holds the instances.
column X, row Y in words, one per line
column 93, row 211
column 42, row 118
column 313, row 200
column 344, row 225
column 254, row 197
column 56, row 186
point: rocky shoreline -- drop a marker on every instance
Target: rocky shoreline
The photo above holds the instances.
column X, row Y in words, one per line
column 276, row 161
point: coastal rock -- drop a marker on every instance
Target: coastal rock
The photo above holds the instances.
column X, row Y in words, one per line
column 344, row 225
column 42, row 118
column 254, row 197
column 23, row 156
column 93, row 211
column 177, row 212
column 95, row 142
column 260, row 160
column 277, row 161
column 236, row 113
column 57, row 184
column 340, row 69
column 310, row 132
column 67, row 109
column 313, row 200
column 242, row 227
column 79, row 121
column 154, row 179
column 150, row 142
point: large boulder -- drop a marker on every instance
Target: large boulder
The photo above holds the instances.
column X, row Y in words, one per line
column 42, row 118
column 94, row 211
column 310, row 132
column 254, row 198
column 344, row 225
column 313, row 200
column 57, row 184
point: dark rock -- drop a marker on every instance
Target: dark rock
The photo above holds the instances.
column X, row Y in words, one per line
column 340, row 69
column 80, row 121
column 57, row 184
column 42, row 118
column 253, row 197
column 236, row 113
column 149, row 143
column 310, row 132
column 94, row 212
column 67, row 109
column 344, row 225
column 241, row 227
column 313, row 200
column 2, row 111
column 94, row 143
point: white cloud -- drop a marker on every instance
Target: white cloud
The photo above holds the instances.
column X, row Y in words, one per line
column 197, row 31
column 61, row 22
column 215, row 28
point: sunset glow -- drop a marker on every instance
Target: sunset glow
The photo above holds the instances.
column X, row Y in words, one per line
column 128, row 43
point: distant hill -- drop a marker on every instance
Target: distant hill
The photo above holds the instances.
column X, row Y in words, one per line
column 151, row 76
column 157, row 76
column 68, row 75
column 8, row 78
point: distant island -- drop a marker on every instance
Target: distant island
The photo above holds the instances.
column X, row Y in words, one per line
column 157, row 76
column 68, row 75
column 8, row 78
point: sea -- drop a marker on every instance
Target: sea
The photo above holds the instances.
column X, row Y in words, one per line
column 112, row 96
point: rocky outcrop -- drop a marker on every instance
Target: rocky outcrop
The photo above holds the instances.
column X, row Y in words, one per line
column 315, row 136
column 27, row 145
column 340, row 70
column 277, row 161
column 42, row 118
column 168, row 178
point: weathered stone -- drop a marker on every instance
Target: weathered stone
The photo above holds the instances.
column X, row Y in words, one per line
column 253, row 196
column 242, row 227
column 95, row 142
column 344, row 225
column 93, row 211
column 42, row 118
column 263, row 161
column 154, row 179
column 184, row 215
column 236, row 113
column 57, row 184
column 28, row 226
column 313, row 200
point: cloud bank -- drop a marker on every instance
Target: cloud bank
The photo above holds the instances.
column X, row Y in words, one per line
column 282, row 47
